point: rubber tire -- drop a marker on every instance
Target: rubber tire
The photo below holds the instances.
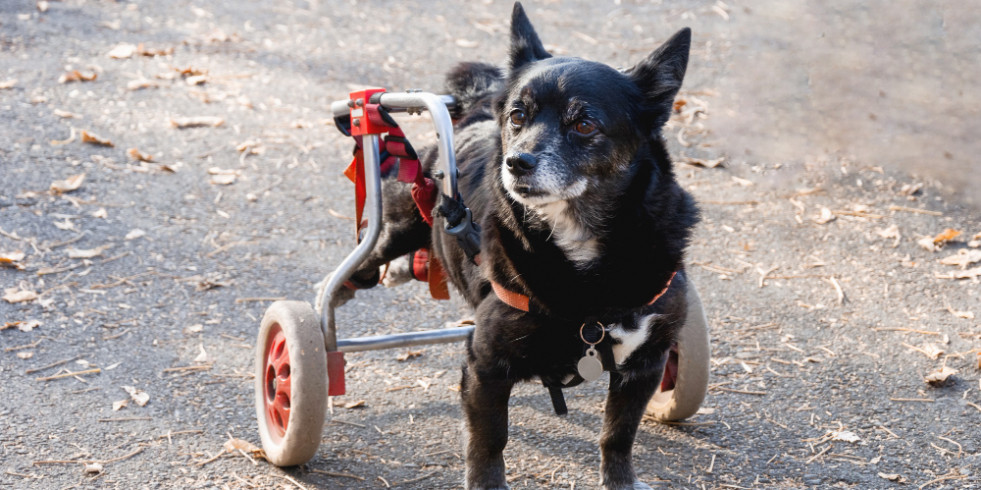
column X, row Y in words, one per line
column 693, row 367
column 308, row 383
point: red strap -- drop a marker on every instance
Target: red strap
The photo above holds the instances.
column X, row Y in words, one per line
column 420, row 264
column 438, row 288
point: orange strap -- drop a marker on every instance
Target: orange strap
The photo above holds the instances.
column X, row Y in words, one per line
column 519, row 301
column 515, row 300
column 666, row 286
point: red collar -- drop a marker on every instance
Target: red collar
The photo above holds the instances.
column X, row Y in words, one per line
column 519, row 301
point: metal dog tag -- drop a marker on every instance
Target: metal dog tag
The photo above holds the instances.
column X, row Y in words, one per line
column 590, row 367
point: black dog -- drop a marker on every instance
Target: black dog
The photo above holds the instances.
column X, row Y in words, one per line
column 583, row 231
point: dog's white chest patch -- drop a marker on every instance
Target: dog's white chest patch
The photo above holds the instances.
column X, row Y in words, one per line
column 630, row 341
column 579, row 245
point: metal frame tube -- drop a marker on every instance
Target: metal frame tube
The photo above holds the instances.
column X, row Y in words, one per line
column 436, row 105
column 373, row 213
column 393, row 102
column 408, row 339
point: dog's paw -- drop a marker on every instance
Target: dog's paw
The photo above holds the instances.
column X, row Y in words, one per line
column 399, row 272
column 343, row 295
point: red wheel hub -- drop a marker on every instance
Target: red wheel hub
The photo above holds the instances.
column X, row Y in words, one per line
column 670, row 369
column 276, row 380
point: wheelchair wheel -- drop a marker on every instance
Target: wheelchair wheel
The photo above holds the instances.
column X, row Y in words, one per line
column 685, row 379
column 290, row 383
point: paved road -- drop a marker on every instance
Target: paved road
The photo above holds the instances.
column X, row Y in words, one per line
column 155, row 274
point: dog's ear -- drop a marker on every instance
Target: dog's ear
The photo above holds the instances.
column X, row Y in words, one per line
column 659, row 76
column 525, row 45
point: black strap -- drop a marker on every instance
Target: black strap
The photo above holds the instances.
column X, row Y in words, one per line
column 558, row 400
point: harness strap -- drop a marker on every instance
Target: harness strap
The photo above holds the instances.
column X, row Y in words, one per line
column 395, row 151
column 521, row 302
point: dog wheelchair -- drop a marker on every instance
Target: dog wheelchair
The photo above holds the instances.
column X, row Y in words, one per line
column 299, row 360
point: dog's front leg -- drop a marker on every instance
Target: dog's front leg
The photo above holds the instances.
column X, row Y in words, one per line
column 485, row 405
column 625, row 405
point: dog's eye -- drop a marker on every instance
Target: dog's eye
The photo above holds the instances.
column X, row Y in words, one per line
column 518, row 117
column 585, row 127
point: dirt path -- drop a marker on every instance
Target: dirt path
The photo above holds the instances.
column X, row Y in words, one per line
column 826, row 313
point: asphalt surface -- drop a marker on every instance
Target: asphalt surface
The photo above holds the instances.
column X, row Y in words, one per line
column 826, row 313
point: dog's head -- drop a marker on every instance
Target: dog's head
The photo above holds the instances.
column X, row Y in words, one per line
column 569, row 125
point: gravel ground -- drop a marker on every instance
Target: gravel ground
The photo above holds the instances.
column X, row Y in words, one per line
column 826, row 313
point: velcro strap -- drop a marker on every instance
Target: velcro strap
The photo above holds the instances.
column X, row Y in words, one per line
column 438, row 288
column 378, row 115
column 424, row 194
column 399, row 146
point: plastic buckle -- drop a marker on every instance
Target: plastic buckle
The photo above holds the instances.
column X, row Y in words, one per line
column 467, row 234
column 361, row 124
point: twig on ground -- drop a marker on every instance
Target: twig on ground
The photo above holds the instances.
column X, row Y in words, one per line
column 49, row 366
column 249, row 300
column 416, row 479
column 915, row 210
column 337, row 474
column 69, row 374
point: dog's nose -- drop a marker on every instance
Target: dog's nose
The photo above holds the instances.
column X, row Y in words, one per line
column 520, row 163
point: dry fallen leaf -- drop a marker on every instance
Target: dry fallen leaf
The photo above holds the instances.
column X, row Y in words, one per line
column 896, row 477
column 75, row 253
column 11, row 259
column 196, row 328
column 940, row 376
column 707, row 163
column 28, row 325
column 149, row 52
column 69, row 139
column 962, row 258
column 77, row 76
column 25, row 355
column 92, row 468
column 196, row 122
column 412, row 354
column 203, row 357
column 138, row 155
column 221, row 176
column 138, row 396
column 845, row 436
column 94, row 139
column 68, row 185
column 4, row 85
column 930, row 350
column 233, row 445
column 122, row 51
column 42, row 6
column 466, row 43
column 355, row 404
column 890, row 232
column 927, row 243
column 100, row 213
column 121, row 404
column 135, row 233
column 966, row 274
column 16, row 295
column 946, row 236
column 826, row 217
column 141, row 84
column 65, row 114
column 64, row 225
column 196, row 80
